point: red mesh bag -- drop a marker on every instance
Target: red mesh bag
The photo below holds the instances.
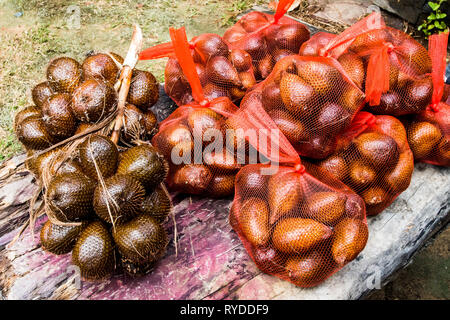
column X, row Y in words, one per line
column 295, row 220
column 223, row 71
column 392, row 67
column 267, row 38
column 373, row 158
column 311, row 99
column 186, row 137
column 429, row 131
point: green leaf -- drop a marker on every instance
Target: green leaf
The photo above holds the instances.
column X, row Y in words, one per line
column 431, row 26
column 420, row 27
column 434, row 6
column 441, row 15
column 432, row 17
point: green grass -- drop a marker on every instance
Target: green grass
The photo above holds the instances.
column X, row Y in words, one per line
column 28, row 42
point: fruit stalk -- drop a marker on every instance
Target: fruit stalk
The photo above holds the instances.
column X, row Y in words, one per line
column 125, row 79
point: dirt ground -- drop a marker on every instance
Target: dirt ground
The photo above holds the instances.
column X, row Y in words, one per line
column 32, row 32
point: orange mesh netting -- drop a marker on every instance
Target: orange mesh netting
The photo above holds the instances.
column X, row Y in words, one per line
column 373, row 158
column 311, row 99
column 391, row 66
column 429, row 131
column 193, row 137
column 267, row 38
column 296, row 221
column 223, row 71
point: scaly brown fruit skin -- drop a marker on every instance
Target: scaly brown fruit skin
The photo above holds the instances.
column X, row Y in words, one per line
column 296, row 235
column 144, row 90
column 52, row 162
column 297, row 94
column 41, row 92
column 289, row 37
column 82, row 127
column 202, row 119
column 133, row 124
column 418, row 96
column 191, row 179
column 251, row 182
column 176, row 84
column 350, row 238
column 354, row 67
column 69, row 197
column 30, row 163
column 93, row 100
column 335, row 165
column 69, row 166
column 240, row 59
column 157, row 205
column 173, row 136
column 39, row 163
column 33, row 134
column 318, row 147
column 64, row 74
column 116, row 56
column 400, row 177
column 150, row 124
column 213, row 91
column 256, row 46
column 145, row 164
column 379, row 150
column 264, row 67
column 423, row 138
column 284, row 194
column 443, row 154
column 271, row 96
column 142, row 240
column 321, row 77
column 376, row 200
column 333, row 118
column 394, row 128
column 221, row 71
column 355, row 207
column 326, row 207
column 291, row 127
column 100, row 150
column 25, row 113
column 58, row 117
column 58, row 239
column 209, row 45
column 361, row 174
column 222, row 185
column 119, row 200
column 415, row 55
column 94, row 252
column 252, row 21
column 390, row 103
column 101, row 67
column 309, row 269
column 268, row 259
column 352, row 99
column 254, row 221
column 222, row 161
